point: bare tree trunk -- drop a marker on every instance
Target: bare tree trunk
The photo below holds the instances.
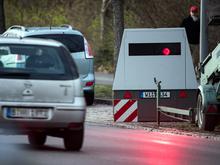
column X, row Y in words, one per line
column 2, row 17
column 118, row 16
column 104, row 7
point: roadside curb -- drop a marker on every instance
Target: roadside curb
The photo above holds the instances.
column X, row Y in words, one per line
column 162, row 130
column 103, row 101
column 102, row 114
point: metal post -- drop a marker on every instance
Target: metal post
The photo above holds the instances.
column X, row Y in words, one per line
column 158, row 101
column 203, row 31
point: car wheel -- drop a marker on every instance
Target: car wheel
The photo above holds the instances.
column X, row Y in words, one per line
column 73, row 140
column 37, row 139
column 89, row 97
column 205, row 122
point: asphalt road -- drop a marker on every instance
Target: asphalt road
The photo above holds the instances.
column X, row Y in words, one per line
column 114, row 146
column 103, row 78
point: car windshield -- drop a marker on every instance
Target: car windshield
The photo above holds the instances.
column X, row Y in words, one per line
column 31, row 60
column 75, row 43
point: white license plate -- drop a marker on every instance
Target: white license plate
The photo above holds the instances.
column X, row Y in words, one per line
column 29, row 113
column 152, row 94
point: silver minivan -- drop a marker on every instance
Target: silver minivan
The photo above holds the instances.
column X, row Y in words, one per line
column 41, row 92
column 76, row 43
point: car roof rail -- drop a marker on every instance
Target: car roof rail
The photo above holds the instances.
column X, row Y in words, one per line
column 17, row 27
column 67, row 26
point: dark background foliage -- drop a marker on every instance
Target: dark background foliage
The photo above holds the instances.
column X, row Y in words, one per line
column 85, row 16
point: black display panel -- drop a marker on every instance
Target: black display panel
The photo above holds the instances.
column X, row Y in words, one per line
column 154, row 49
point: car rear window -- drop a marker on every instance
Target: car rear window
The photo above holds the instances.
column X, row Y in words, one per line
column 34, row 62
column 75, row 43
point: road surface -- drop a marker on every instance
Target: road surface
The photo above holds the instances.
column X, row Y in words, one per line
column 103, row 78
column 114, row 146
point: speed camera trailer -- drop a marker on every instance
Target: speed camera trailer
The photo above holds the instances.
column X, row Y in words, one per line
column 145, row 54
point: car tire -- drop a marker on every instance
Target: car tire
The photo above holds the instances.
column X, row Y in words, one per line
column 89, row 96
column 205, row 122
column 73, row 140
column 37, row 139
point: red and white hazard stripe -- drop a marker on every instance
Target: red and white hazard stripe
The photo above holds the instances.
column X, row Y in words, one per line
column 125, row 110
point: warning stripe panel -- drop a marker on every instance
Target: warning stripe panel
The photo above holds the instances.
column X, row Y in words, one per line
column 119, row 105
column 132, row 116
column 125, row 110
column 128, row 112
column 116, row 102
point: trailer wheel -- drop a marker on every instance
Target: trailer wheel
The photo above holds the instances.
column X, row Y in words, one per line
column 204, row 121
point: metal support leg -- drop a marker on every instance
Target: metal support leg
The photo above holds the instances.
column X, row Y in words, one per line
column 158, row 118
column 158, row 100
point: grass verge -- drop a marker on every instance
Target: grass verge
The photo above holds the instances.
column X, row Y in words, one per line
column 103, row 91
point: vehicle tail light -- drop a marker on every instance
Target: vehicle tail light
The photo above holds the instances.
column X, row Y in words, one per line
column 18, row 57
column 88, row 49
column 212, row 109
column 90, row 83
column 183, row 94
column 127, row 95
column 75, row 125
